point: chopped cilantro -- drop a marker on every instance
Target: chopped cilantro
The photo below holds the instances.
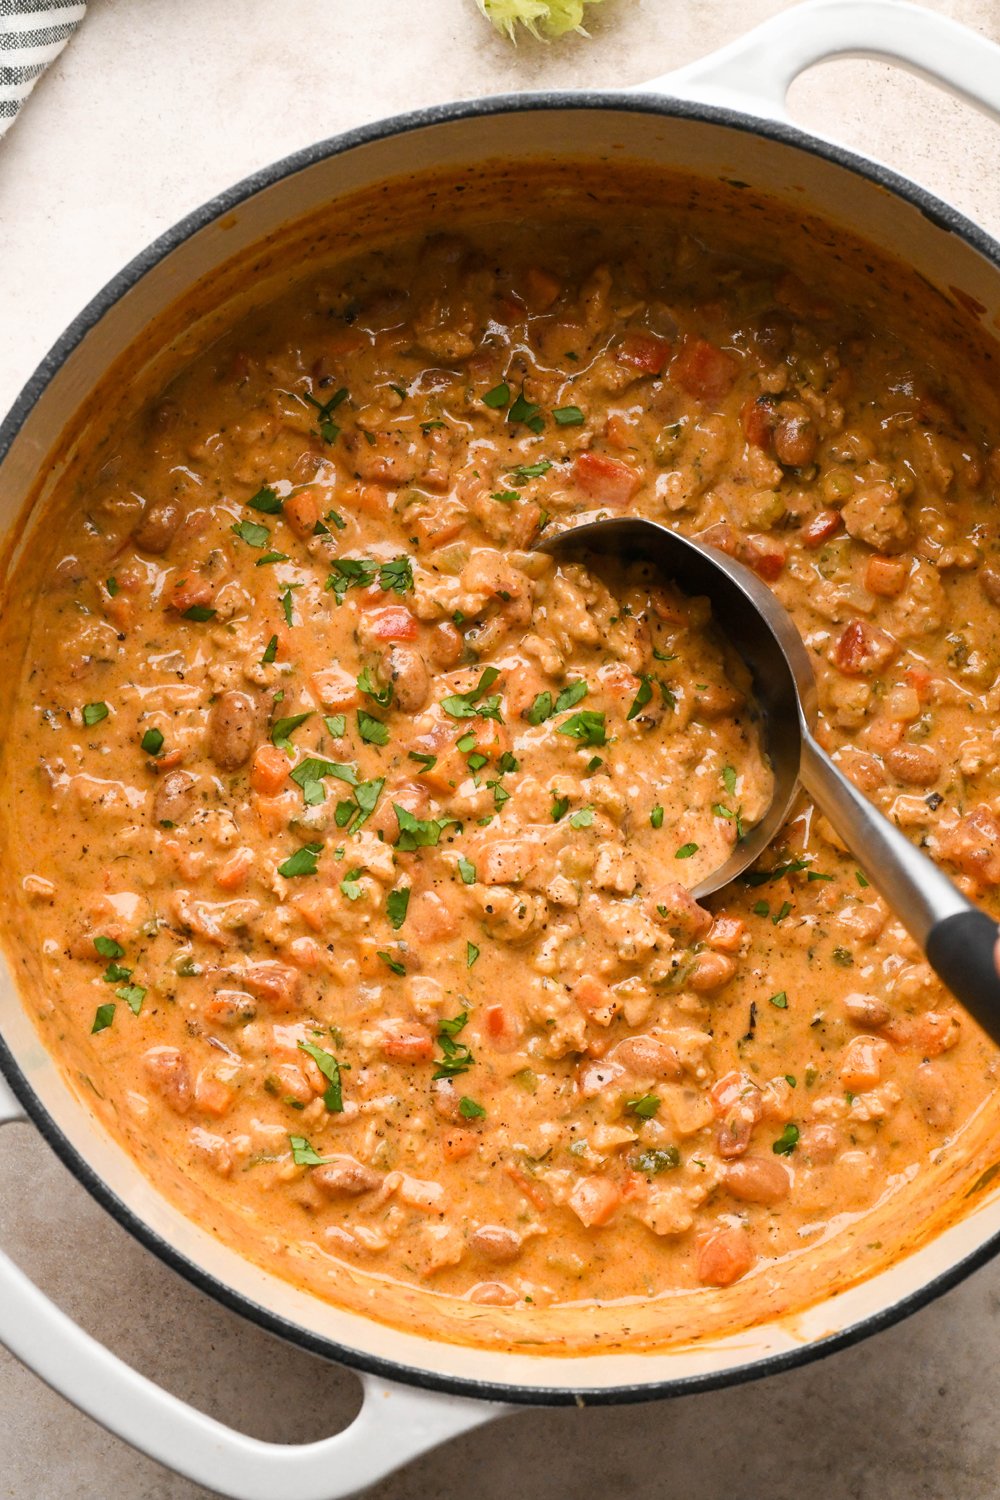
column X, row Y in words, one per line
column 540, row 710
column 587, row 726
column 418, row 833
column 467, row 705
column 471, row 954
column 396, row 903
column 372, row 730
column 336, row 725
column 582, row 819
column 391, row 963
column 568, row 416
column 331, row 1070
column 303, row 1155
column 780, row 1000
column 467, row 870
column 560, row 807
column 283, row 729
column 350, row 885
column 645, row 1106
column 642, row 697
column 270, row 652
column 686, row 851
column 152, row 742
column 302, row 862
column 369, row 686
column 651, row 1163
column 498, row 396
column 656, row 817
column 266, row 500
column 103, row 1017
column 107, row 947
column 93, row 713
column 570, row 697
column 252, row 533
column 469, row 1109
column 787, row 1141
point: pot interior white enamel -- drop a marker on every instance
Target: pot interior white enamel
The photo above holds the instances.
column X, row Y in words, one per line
column 949, row 254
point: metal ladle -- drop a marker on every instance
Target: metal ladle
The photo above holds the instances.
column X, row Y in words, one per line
column 956, row 936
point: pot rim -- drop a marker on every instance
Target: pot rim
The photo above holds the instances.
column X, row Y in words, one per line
column 939, row 213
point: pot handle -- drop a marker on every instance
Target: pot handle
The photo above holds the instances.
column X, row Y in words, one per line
column 755, row 72
column 395, row 1424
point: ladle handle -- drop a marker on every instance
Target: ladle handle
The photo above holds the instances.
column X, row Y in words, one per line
column 956, row 936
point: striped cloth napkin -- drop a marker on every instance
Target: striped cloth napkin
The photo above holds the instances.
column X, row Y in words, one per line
column 32, row 34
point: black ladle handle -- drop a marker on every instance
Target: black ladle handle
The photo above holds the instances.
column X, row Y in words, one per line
column 957, row 937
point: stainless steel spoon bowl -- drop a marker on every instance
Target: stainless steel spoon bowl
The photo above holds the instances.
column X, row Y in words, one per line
column 956, row 936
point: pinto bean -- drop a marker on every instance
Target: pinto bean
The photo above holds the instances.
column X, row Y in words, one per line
column 158, row 526
column 989, row 582
column 446, row 645
column 724, row 1256
column 233, row 729
column 974, row 846
column 172, row 799
column 934, row 1096
column 494, row 1242
column 675, row 906
column 757, row 1179
column 733, row 1135
column 710, row 971
column 914, row 765
column 404, row 667
column 795, row 437
column 167, row 1070
column 869, row 1011
column 648, row 1057
column 344, row 1177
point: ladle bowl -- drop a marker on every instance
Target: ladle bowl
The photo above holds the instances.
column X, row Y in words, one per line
column 956, row 936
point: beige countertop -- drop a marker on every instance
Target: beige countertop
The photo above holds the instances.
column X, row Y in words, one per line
column 154, row 107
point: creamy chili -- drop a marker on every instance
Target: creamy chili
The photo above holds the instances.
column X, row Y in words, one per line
column 355, row 838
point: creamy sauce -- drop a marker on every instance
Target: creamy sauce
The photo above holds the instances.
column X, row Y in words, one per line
column 356, row 837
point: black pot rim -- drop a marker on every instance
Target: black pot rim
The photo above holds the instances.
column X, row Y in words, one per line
column 945, row 217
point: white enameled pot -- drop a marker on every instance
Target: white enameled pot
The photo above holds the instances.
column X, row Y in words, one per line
column 727, row 111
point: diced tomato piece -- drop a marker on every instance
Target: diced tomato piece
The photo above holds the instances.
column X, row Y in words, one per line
column 189, row 591
column 332, row 687
column 502, row 1027
column 721, row 535
column 920, row 680
column 541, row 288
column 767, row 558
column 594, row 1200
column 606, row 479
column 233, row 872
column 406, row 1041
column 704, row 371
column 395, row 623
column 276, row 983
column 270, row 770
column 726, row 933
column 301, row 511
column 619, row 432
column 820, row 527
column 886, row 576
column 643, row 351
column 458, row 1143
column 864, row 649
column 758, row 418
